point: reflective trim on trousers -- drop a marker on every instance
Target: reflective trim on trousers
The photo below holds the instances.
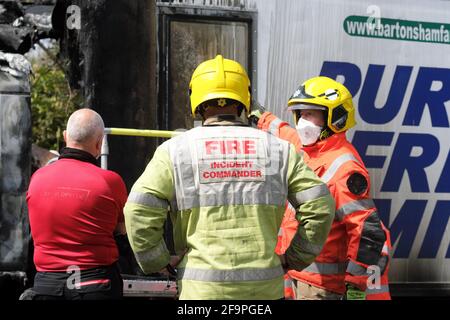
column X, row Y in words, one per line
column 148, row 200
column 326, row 268
column 152, row 254
column 238, row 275
column 354, row 206
column 329, row 174
column 380, row 290
column 307, row 195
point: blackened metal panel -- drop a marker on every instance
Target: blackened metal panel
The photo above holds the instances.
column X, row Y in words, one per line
column 15, row 159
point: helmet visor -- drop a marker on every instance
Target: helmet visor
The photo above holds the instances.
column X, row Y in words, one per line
column 303, row 106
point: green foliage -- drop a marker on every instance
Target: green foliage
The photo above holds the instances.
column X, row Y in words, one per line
column 52, row 102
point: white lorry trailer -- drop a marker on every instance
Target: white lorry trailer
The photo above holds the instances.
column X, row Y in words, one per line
column 394, row 56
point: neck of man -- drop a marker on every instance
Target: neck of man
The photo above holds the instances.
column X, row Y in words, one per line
column 89, row 149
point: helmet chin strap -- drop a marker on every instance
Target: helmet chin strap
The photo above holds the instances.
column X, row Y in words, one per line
column 326, row 133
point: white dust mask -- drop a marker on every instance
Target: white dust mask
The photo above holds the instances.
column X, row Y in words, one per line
column 309, row 133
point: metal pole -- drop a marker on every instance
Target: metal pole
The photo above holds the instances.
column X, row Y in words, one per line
column 141, row 133
column 105, row 152
column 133, row 133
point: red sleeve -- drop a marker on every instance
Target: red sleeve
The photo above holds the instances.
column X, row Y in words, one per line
column 281, row 129
column 365, row 234
column 288, row 228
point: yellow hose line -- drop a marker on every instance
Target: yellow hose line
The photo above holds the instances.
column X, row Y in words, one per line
column 141, row 133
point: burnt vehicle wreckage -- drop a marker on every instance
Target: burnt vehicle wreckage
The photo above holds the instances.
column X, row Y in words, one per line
column 24, row 24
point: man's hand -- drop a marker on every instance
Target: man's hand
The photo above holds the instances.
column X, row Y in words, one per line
column 256, row 111
column 169, row 270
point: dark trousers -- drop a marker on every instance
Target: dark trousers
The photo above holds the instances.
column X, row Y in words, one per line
column 102, row 283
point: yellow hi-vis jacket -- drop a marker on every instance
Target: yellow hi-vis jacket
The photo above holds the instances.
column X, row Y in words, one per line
column 226, row 187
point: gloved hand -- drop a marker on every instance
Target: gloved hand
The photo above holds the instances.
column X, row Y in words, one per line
column 353, row 293
column 256, row 111
column 170, row 269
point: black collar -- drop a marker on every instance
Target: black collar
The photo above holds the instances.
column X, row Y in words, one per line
column 77, row 154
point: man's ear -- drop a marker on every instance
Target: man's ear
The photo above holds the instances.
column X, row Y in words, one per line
column 99, row 142
column 65, row 136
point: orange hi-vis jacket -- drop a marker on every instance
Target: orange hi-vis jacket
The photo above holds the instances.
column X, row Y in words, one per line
column 357, row 248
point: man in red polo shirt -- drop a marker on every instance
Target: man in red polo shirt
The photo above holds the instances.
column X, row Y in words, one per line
column 75, row 208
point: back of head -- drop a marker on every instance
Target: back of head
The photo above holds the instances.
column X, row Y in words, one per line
column 219, row 82
column 84, row 127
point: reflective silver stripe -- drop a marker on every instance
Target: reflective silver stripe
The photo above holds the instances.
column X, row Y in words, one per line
column 356, row 270
column 274, row 126
column 230, row 275
column 309, row 247
column 148, row 200
column 329, row 174
column 288, row 283
column 191, row 193
column 152, row 254
column 229, row 198
column 385, row 249
column 308, row 195
column 354, row 206
column 326, row 268
column 280, row 232
column 381, row 289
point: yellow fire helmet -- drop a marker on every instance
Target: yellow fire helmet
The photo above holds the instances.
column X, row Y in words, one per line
column 221, row 79
column 323, row 93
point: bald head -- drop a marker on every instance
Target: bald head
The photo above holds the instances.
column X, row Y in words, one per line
column 85, row 129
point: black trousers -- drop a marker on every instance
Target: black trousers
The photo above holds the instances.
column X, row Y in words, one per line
column 103, row 283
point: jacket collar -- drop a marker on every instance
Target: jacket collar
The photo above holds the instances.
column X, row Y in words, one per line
column 332, row 143
column 224, row 120
column 77, row 154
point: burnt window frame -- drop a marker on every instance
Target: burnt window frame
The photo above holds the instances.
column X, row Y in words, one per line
column 167, row 13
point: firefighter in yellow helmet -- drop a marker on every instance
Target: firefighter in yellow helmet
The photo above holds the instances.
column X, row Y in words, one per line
column 328, row 96
column 358, row 243
column 226, row 185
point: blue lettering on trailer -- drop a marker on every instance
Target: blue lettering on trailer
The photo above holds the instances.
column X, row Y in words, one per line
column 375, row 115
column 436, row 230
column 350, row 71
column 411, row 154
column 443, row 185
column 406, row 224
column 363, row 139
column 423, row 95
column 402, row 161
